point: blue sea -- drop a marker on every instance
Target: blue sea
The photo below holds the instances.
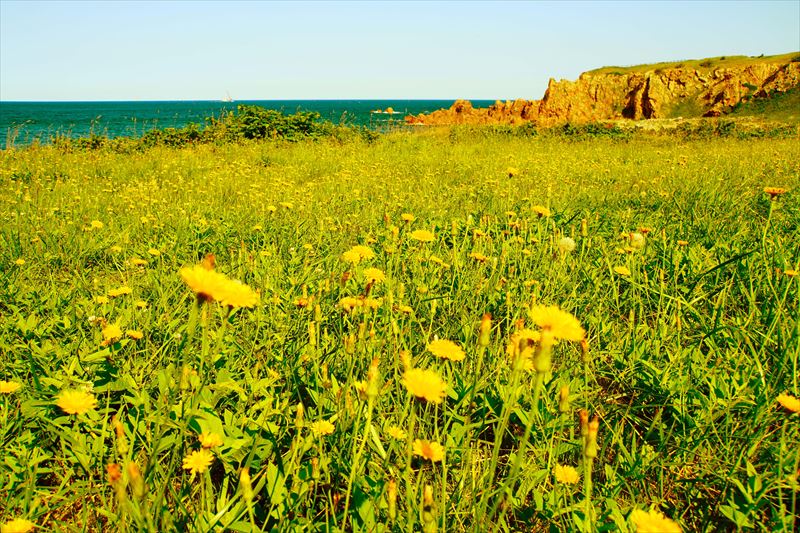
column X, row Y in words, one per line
column 23, row 123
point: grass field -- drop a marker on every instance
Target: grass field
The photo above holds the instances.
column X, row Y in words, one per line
column 153, row 398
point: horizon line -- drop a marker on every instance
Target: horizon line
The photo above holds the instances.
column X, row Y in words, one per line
column 372, row 99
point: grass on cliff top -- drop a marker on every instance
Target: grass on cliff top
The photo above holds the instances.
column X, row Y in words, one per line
column 668, row 252
column 709, row 63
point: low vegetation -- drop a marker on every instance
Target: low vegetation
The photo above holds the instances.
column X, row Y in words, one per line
column 451, row 329
column 701, row 64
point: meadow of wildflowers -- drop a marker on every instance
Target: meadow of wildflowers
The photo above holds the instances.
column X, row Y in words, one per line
column 440, row 330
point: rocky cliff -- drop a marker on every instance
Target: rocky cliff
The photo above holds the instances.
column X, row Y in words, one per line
column 657, row 93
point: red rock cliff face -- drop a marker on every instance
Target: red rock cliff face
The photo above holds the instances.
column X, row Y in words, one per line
column 639, row 95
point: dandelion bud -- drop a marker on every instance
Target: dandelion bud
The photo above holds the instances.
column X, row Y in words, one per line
column 325, row 378
column 245, row 485
column 373, row 379
column 590, row 449
column 584, row 416
column 116, row 480
column 312, row 334
column 186, row 372
column 428, row 513
column 486, row 329
column 405, row 359
column 563, row 399
column 348, row 402
column 391, row 494
column 317, row 314
column 314, row 468
column 122, row 442
column 362, row 330
column 298, row 417
column 114, row 474
column 137, row 481
column 585, row 350
column 350, row 344
column 584, row 227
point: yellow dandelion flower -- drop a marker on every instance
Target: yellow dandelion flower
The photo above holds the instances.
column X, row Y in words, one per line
column 137, row 261
column 653, row 522
column 789, row 402
column 236, row 294
column 372, row 303
column 396, row 433
column 561, row 324
column 541, row 211
column 19, row 262
column 321, row 427
column 154, row 252
column 407, row 217
column 18, row 525
column 358, row 253
column 405, row 309
column 210, row 440
column 566, row 475
column 511, row 171
column 446, row 350
column 134, row 334
column 423, row 235
column 141, row 304
column 96, row 224
column 205, row 283
column 683, row 243
column 112, row 332
column 430, row 450
column 479, row 257
column 76, row 402
column 351, row 257
column 774, row 192
column 362, row 387
column 622, row 271
column 9, row 387
column 374, row 275
column 101, row 299
column 120, row 291
column 790, row 272
column 348, row 303
column 424, row 384
column 198, row 461
column 116, row 249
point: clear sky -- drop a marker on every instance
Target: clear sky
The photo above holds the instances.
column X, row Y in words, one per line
column 190, row 50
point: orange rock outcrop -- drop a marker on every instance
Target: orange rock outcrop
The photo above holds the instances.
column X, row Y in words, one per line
column 639, row 95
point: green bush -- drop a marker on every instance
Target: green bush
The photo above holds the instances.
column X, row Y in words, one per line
column 249, row 122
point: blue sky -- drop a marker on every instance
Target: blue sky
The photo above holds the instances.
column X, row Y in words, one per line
column 312, row 50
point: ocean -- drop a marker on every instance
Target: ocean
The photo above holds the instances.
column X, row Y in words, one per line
column 22, row 123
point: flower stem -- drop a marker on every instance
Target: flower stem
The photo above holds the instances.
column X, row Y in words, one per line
column 358, row 449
